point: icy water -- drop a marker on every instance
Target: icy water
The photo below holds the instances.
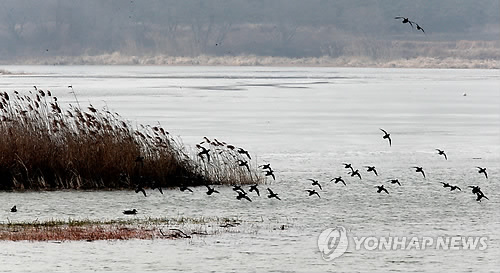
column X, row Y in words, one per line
column 306, row 122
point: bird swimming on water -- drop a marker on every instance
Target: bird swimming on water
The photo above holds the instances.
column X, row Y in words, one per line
column 134, row 211
column 313, row 192
column 13, row 209
column 441, row 152
column 386, row 136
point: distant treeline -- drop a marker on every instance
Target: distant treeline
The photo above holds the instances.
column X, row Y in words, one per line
column 282, row 28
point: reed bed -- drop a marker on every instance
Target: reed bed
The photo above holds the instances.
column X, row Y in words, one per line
column 43, row 146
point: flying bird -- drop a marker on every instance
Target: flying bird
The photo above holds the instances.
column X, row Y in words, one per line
column 452, row 188
column 482, row 170
column 266, row 166
column 446, row 185
column 210, row 190
column 480, row 195
column 386, row 136
column 254, row 188
column 381, row 188
column 242, row 163
column 204, row 151
column 270, row 173
column 418, row 27
column 238, row 188
column 356, row 172
column 140, row 189
column 315, row 183
column 245, row 152
column 272, row 194
column 419, row 170
column 395, row 181
column 184, row 188
column 348, row 165
column 405, row 20
column 243, row 195
column 371, row 169
column 313, row 192
column 441, row 152
column 338, row 179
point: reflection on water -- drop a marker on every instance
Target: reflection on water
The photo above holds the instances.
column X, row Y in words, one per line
column 307, row 132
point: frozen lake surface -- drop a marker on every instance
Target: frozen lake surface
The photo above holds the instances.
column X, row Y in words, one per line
column 306, row 122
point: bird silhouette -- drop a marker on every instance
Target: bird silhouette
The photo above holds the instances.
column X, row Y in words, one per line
column 355, row 172
column 315, row 183
column 452, row 188
column 242, row 163
column 371, row 169
column 243, row 195
column 446, row 185
column 386, row 136
column 266, row 166
column 475, row 189
column 480, row 195
column 134, row 211
column 313, row 192
column 270, row 173
column 482, row 170
column 381, row 188
column 156, row 186
column 395, row 181
column 210, row 190
column 204, row 151
column 244, row 152
column 185, row 188
column 238, row 188
column 405, row 20
column 140, row 189
column 254, row 188
column 348, row 166
column 272, row 194
column 441, row 152
column 13, row 209
column 419, row 170
column 338, row 179
column 419, row 27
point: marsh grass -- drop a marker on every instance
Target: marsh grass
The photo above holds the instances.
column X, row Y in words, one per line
column 43, row 146
column 137, row 228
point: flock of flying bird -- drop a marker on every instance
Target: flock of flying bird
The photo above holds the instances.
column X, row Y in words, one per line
column 243, row 195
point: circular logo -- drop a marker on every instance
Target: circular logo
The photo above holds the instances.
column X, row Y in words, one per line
column 332, row 243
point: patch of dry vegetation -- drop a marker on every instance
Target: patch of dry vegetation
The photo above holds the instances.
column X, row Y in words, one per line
column 45, row 147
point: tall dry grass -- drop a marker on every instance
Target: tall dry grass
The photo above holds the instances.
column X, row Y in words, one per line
column 45, row 147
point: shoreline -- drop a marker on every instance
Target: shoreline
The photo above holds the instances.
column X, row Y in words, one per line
column 117, row 58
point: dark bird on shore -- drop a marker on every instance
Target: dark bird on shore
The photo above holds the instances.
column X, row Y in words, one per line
column 210, row 190
column 242, row 163
column 386, row 136
column 140, row 189
column 348, row 166
column 266, row 166
column 270, row 173
column 446, row 185
column 338, row 179
column 243, row 195
column 254, row 188
column 371, row 169
column 405, row 20
column 441, row 152
column 419, row 170
column 313, row 192
column 204, row 151
column 238, row 188
column 134, row 211
column 156, row 186
column 272, row 194
column 381, row 188
column 395, row 181
column 454, row 187
column 13, row 209
column 184, row 188
column 355, row 172
column 482, row 170
column 244, row 152
column 315, row 183
column 480, row 195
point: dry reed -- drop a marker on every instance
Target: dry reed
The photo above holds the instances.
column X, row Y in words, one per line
column 43, row 146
